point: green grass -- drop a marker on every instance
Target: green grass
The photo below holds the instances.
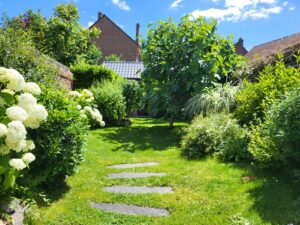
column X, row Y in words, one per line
column 206, row 191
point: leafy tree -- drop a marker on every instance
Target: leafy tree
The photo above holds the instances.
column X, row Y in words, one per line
column 61, row 37
column 181, row 59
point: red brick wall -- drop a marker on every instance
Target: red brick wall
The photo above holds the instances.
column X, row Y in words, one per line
column 113, row 40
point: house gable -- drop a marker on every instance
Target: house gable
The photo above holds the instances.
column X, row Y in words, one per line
column 113, row 40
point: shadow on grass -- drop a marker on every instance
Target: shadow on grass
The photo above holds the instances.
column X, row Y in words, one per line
column 276, row 197
column 140, row 138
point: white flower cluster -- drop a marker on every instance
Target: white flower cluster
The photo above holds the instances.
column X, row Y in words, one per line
column 94, row 114
column 85, row 99
column 26, row 113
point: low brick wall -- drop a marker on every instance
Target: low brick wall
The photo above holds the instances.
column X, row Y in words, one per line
column 65, row 74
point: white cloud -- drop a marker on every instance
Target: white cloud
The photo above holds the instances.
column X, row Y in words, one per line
column 292, row 8
column 234, row 10
column 175, row 4
column 121, row 4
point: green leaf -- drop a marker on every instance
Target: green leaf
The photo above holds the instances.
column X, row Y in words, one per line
column 9, row 180
column 8, row 98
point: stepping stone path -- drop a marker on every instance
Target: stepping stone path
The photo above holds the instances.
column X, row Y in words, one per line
column 134, row 165
column 138, row 190
column 133, row 209
column 130, row 210
column 136, row 175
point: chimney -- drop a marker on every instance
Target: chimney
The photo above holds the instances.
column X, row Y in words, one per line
column 137, row 33
column 240, row 41
column 239, row 47
column 100, row 15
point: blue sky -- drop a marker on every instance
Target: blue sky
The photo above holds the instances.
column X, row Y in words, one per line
column 257, row 21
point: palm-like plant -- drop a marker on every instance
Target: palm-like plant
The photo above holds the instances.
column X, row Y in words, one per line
column 218, row 99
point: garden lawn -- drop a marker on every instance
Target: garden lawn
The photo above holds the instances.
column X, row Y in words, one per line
column 205, row 191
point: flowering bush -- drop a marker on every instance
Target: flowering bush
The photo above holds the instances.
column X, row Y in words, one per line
column 19, row 110
column 85, row 100
column 59, row 141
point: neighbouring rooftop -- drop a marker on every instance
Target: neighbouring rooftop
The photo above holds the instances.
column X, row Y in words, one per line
column 126, row 69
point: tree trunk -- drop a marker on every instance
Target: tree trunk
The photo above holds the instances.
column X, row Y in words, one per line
column 171, row 121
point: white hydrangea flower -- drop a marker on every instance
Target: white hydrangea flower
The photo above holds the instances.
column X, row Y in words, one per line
column 3, row 130
column 89, row 100
column 16, row 113
column 16, row 81
column 16, row 131
column 29, row 145
column 28, row 157
column 102, row 123
column 4, row 150
column 18, row 164
column 79, row 107
column 75, row 94
column 32, row 88
column 87, row 93
column 17, row 146
column 88, row 109
column 36, row 115
column 26, row 101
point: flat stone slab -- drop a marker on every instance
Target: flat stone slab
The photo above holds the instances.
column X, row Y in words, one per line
column 130, row 209
column 132, row 165
column 138, row 190
column 135, row 175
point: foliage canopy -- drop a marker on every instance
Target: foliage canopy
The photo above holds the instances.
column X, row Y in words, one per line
column 181, row 59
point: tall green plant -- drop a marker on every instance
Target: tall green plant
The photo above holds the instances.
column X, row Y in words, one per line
column 182, row 59
column 213, row 100
column 276, row 141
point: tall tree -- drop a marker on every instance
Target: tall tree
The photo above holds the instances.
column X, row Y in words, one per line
column 61, row 37
column 181, row 59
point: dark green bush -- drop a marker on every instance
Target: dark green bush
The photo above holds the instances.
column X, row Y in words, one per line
column 133, row 95
column 110, row 101
column 59, row 141
column 216, row 134
column 273, row 82
column 85, row 75
column 276, row 141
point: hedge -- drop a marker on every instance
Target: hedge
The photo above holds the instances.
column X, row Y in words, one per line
column 85, row 75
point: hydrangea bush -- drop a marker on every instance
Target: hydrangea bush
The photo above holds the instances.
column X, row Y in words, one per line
column 85, row 99
column 19, row 111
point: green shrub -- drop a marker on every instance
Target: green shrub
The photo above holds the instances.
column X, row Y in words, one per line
column 133, row 95
column 110, row 101
column 59, row 141
column 85, row 75
column 276, row 141
column 273, row 82
column 216, row 134
column 17, row 52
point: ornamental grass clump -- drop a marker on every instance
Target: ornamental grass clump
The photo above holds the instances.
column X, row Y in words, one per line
column 85, row 99
column 19, row 111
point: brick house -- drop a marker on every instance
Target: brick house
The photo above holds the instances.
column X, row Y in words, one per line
column 113, row 40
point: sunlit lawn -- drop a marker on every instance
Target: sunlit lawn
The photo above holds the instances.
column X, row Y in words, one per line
column 206, row 191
